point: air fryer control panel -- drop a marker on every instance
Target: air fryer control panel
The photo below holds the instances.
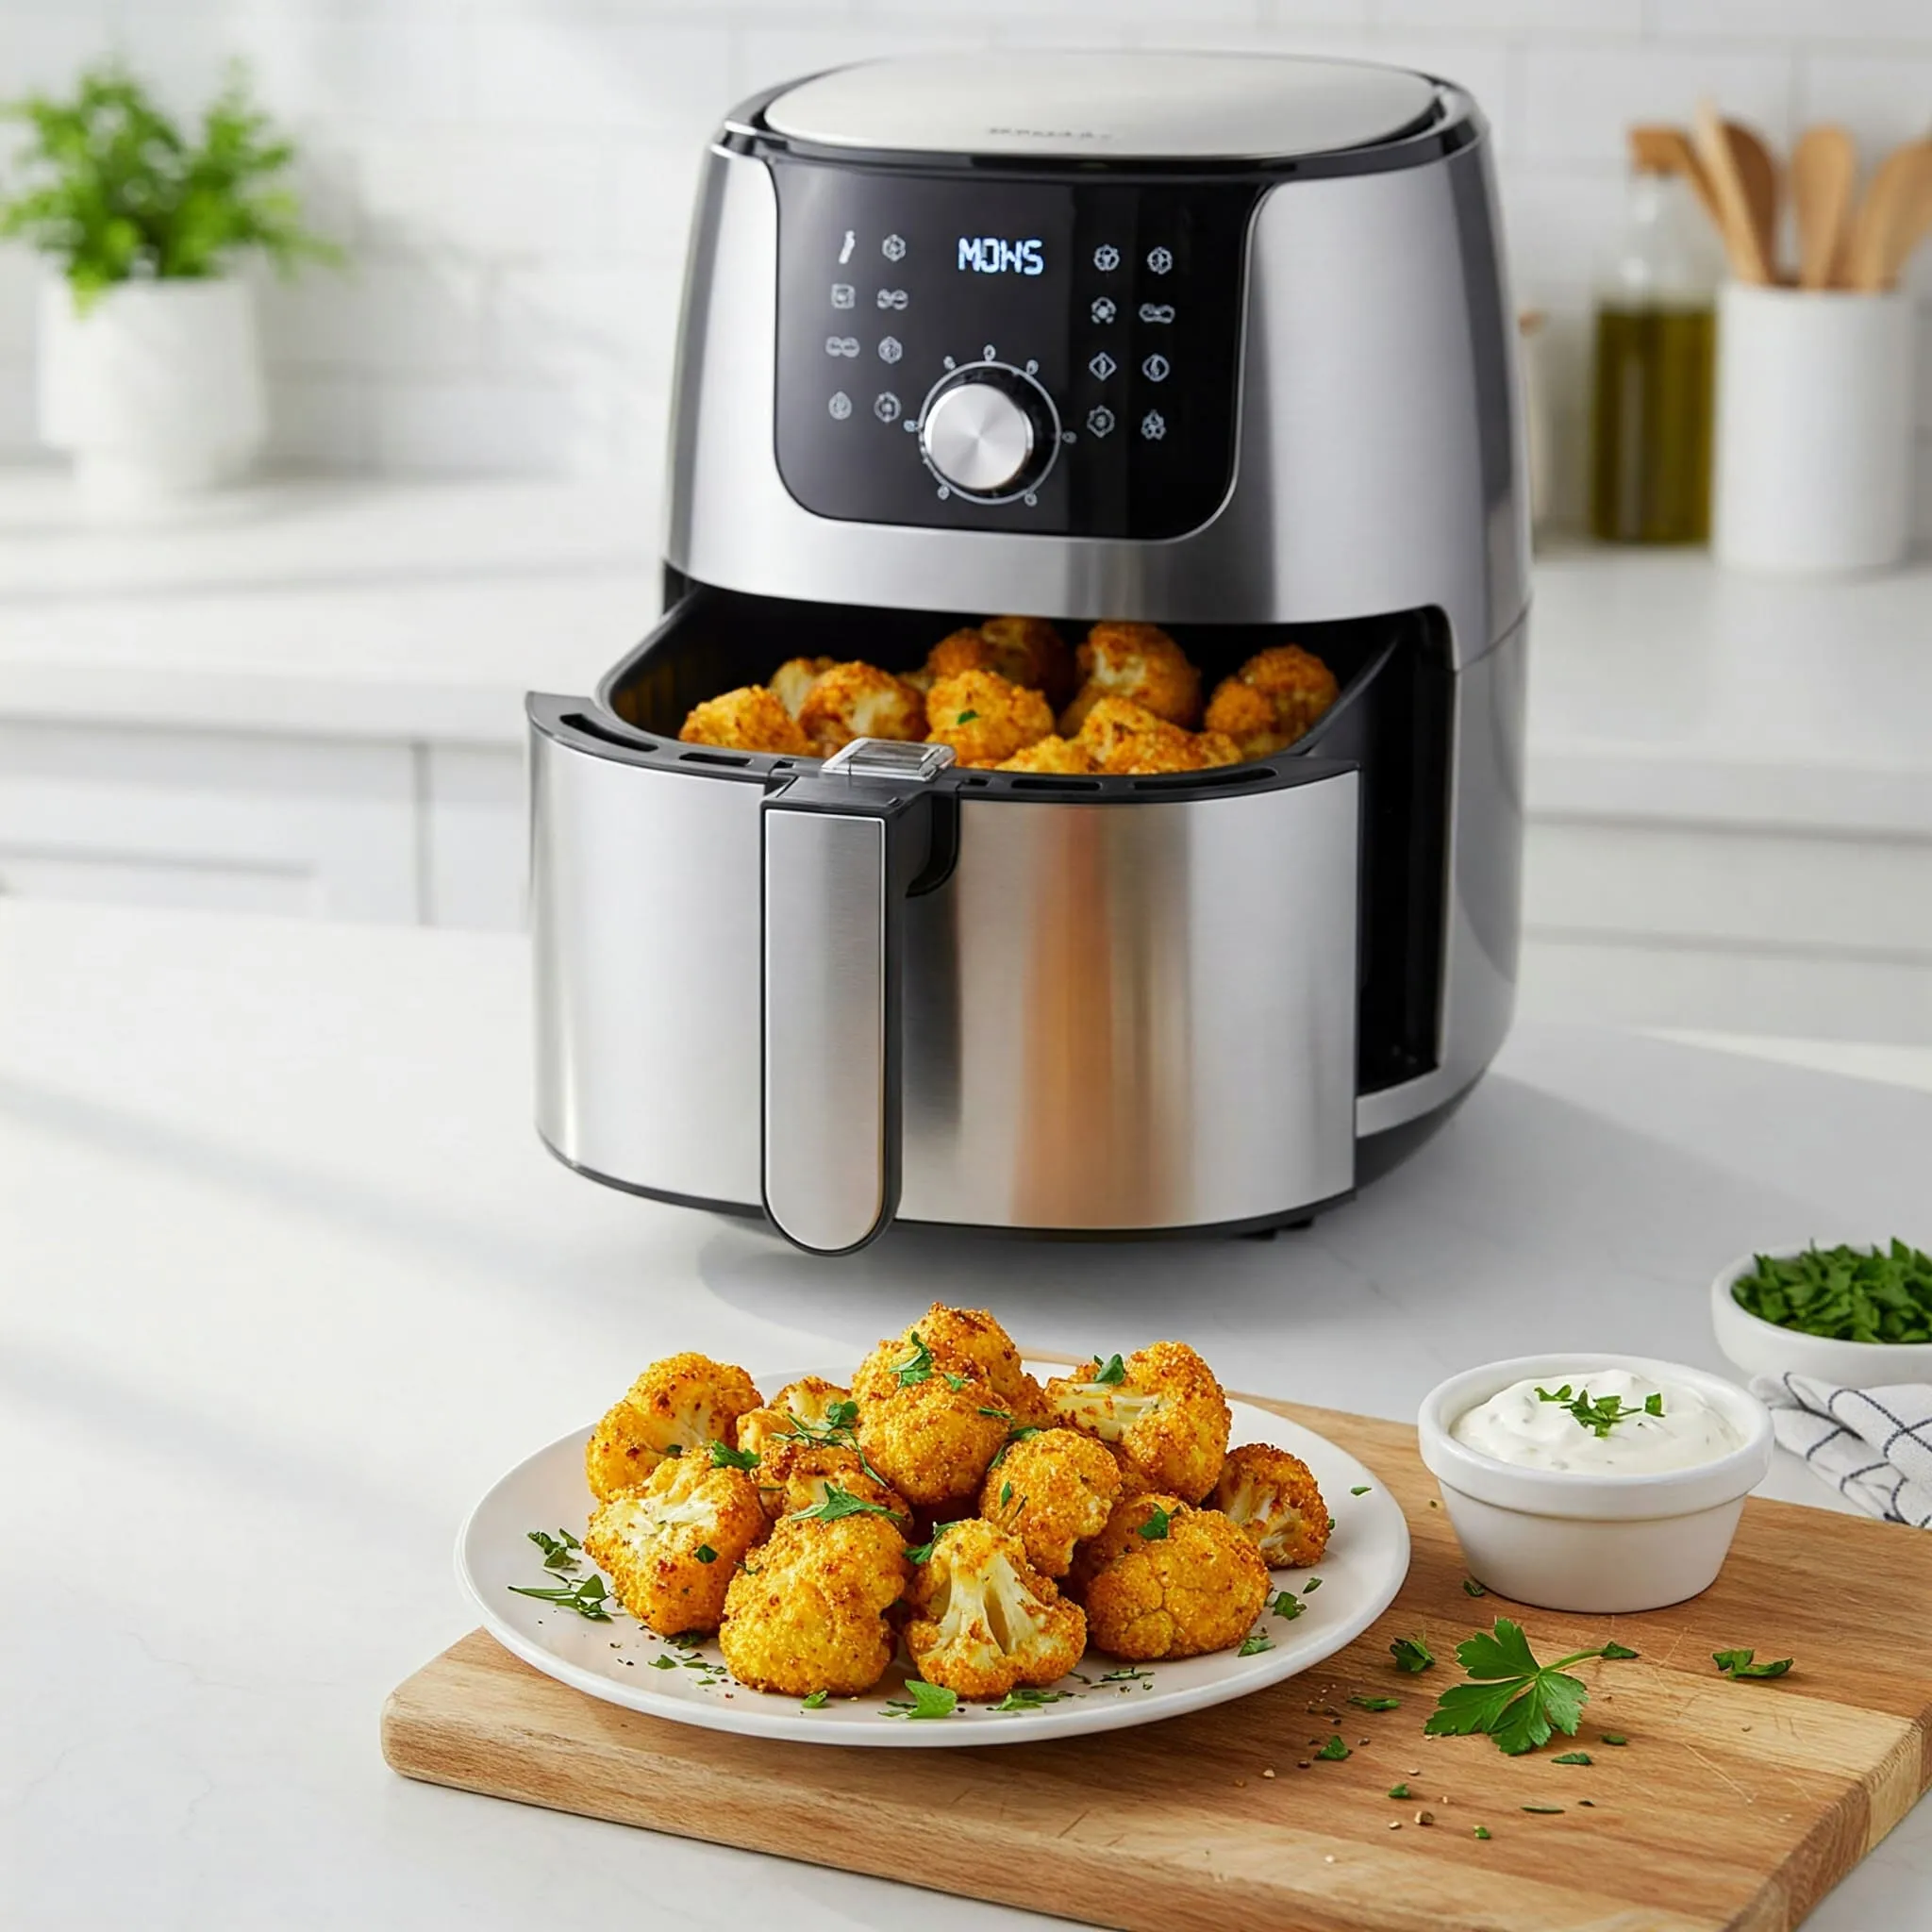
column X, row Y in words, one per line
column 1000, row 354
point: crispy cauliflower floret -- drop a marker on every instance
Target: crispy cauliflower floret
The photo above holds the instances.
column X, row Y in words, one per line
column 1050, row 1490
column 1023, row 650
column 791, row 683
column 1293, row 689
column 800, row 1475
column 1165, row 1580
column 1161, row 1411
column 1274, row 1497
column 974, row 1334
column 1138, row 661
column 859, row 700
column 929, row 1423
column 672, row 1544
column 984, row 1620
column 1168, row 749
column 1052, row 753
column 1117, row 729
column 684, row 1401
column 807, row 1611
column 812, row 1400
column 985, row 718
column 748, row 719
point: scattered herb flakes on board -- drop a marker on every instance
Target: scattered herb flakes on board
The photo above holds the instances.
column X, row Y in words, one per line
column 1334, row 1750
column 1412, row 1654
column 1739, row 1663
column 1377, row 1703
column 1572, row 1757
column 1844, row 1294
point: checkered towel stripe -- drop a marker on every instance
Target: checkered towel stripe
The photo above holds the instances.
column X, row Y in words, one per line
column 1874, row 1444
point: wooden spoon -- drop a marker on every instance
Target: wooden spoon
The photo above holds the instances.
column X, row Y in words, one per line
column 1750, row 260
column 1892, row 218
column 1758, row 172
column 1661, row 150
column 1824, row 170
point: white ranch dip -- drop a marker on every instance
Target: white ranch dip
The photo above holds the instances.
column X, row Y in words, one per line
column 1517, row 1427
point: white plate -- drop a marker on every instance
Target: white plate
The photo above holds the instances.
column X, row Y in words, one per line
column 1367, row 1560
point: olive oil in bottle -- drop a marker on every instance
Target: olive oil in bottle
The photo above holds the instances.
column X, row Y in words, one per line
column 1655, row 374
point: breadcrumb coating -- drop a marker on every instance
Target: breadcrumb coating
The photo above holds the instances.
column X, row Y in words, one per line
column 859, row 700
column 810, row 1399
column 1023, row 650
column 807, row 1611
column 1195, row 1584
column 1052, row 753
column 1166, row 1420
column 684, row 1401
column 1052, row 1490
column 974, row 1334
column 1275, row 1498
column 1138, row 661
column 928, row 1422
column 797, row 1474
column 1294, row 689
column 791, row 683
column 670, row 1546
column 984, row 717
column 984, row 1620
column 748, row 719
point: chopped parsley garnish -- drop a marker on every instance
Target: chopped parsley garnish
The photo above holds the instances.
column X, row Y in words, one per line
column 954, row 1382
column 724, row 1457
column 706, row 1553
column 1472, row 1588
column 660, row 1662
column 1618, row 1651
column 1481, row 1831
column 1399, row 1792
column 1411, row 1654
column 816, row 1701
column 1845, row 1293
column 1359, row 1490
column 1334, row 1750
column 1253, row 1644
column 927, row 1700
column 1513, row 1699
column 1155, row 1528
column 560, row 1551
column 586, row 1598
column 840, row 1503
column 999, row 1415
column 1023, row 1699
column 841, row 1415
column 1126, row 1675
column 919, row 1552
column 1572, row 1757
column 965, row 717
column 1614, row 1737
column 1738, row 1663
column 1377, row 1703
column 1005, row 1494
column 1545, row 1811
column 1113, row 1374
column 917, row 1367
column 1284, row 1602
column 1019, row 1435
column 1311, row 1586
column 674, row 1448
column 1601, row 1416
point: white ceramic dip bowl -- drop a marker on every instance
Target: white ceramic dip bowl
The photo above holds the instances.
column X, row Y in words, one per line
column 1568, row 1541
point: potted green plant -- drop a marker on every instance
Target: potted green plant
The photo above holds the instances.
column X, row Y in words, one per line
column 150, row 369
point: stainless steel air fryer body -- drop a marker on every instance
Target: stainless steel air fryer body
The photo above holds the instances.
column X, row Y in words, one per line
column 1218, row 343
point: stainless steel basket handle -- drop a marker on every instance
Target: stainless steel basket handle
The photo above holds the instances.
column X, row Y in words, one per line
column 841, row 846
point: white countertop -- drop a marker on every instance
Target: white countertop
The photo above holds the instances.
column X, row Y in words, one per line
column 286, row 1281
column 1660, row 685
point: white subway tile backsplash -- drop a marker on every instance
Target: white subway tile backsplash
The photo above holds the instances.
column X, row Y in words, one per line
column 429, row 314
column 1578, row 102
column 1530, row 19
column 318, row 422
column 1886, row 99
column 490, row 426
column 19, row 437
column 578, row 71
column 1795, row 20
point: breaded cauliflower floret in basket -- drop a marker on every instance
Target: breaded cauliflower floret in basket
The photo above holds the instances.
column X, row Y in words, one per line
column 1117, row 730
column 1161, row 1412
column 811, row 1400
column 1023, row 650
column 928, row 1422
column 984, row 1621
column 1274, row 1497
column 672, row 1544
column 683, row 1402
column 1275, row 698
column 748, row 719
column 1052, row 1490
column 1165, row 1580
column 975, row 1334
column 1138, row 661
column 859, row 700
column 807, row 1611
column 791, row 683
column 1066, row 756
column 1171, row 749
column 984, row 717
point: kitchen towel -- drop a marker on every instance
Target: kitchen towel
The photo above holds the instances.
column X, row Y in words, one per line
column 1873, row 1445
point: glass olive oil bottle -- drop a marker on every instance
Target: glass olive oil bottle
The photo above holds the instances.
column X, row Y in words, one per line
column 1656, row 373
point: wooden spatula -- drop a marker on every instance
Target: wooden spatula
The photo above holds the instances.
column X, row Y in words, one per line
column 1758, row 170
column 1737, row 222
column 1825, row 171
column 1657, row 149
column 1891, row 219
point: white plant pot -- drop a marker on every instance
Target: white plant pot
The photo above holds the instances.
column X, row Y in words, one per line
column 155, row 391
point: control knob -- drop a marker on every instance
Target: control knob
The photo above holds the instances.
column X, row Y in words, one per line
column 990, row 431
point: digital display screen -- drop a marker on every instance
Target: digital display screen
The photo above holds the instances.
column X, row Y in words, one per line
column 993, row 255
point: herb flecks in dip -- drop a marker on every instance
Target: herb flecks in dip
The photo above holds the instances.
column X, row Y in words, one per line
column 1653, row 1426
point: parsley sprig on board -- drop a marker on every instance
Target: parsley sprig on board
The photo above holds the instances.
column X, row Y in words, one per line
column 1512, row 1698
column 1844, row 1294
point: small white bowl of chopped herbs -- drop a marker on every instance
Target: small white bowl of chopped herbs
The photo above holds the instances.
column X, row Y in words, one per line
column 1855, row 1317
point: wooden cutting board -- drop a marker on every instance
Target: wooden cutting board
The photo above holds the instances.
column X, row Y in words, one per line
column 1733, row 1805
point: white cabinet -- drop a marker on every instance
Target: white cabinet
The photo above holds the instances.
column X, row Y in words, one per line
column 317, row 828
column 477, row 836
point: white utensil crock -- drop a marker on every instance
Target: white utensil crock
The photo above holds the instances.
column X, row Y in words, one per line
column 1815, row 426
column 155, row 391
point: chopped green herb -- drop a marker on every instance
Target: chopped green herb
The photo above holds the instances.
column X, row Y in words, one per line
column 1155, row 1528
column 927, row 1700
column 724, row 1457
column 966, row 716
column 1738, row 1663
column 1572, row 1757
column 1334, row 1750
column 1513, row 1699
column 1601, row 1416
column 1616, row 1651
column 917, row 1367
column 1472, row 1588
column 1359, row 1490
column 1311, row 1586
column 999, row 1415
column 1481, row 1831
column 560, row 1551
column 1377, row 1702
column 1253, row 1644
column 1411, row 1654
column 841, row 1415
column 1115, row 1372
column 1399, row 1792
column 1331, row 1525
column 674, row 1448
column 1653, row 1404
column 1023, row 1699
column 954, row 1382
column 1614, row 1737
column 706, row 1553
column 586, row 1598
column 919, row 1552
column 1545, row 1811
column 840, row 1503
column 1284, row 1602
column 816, row 1701
column 662, row 1662
column 1845, row 1293
column 1005, row 1494
column 1126, row 1675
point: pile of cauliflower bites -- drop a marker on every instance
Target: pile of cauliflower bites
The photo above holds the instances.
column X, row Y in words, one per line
column 948, row 1499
